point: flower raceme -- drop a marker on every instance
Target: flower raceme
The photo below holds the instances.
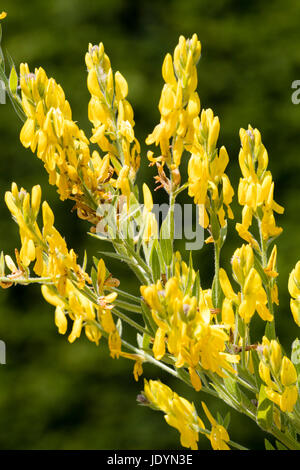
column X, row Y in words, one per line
column 179, row 412
column 35, row 242
column 256, row 188
column 58, row 266
column 187, row 327
column 179, row 103
column 78, row 173
column 252, row 296
column 111, row 113
column 208, row 184
column 198, row 334
column 279, row 375
column 182, row 415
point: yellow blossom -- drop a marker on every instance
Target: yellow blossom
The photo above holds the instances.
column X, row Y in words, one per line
column 256, row 188
column 185, row 329
column 179, row 412
column 280, row 376
column 294, row 290
column 252, row 296
column 218, row 435
column 179, row 102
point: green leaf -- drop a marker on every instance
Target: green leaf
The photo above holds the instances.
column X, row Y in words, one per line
column 264, row 410
column 155, row 263
column 94, row 278
column 241, row 327
column 190, row 275
column 167, row 250
column 255, row 362
column 196, row 286
column 280, row 446
column 119, row 327
column 233, row 388
column 128, row 306
column 147, row 316
column 270, row 330
column 217, row 293
column 226, row 420
column 126, row 295
column 118, row 256
column 139, row 340
column 219, row 418
column 165, row 240
column 224, row 396
column 259, row 269
column 215, row 226
column 268, row 445
column 295, row 356
column 146, row 342
column 223, row 235
column 84, row 262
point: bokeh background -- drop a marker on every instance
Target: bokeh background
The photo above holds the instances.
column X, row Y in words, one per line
column 54, row 395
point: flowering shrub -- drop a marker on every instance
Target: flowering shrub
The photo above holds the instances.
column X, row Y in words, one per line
column 199, row 334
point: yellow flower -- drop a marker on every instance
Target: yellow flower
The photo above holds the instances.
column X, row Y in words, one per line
column 294, row 290
column 270, row 269
column 50, row 132
column 206, row 169
column 280, row 376
column 110, row 112
column 218, row 435
column 256, row 188
column 185, row 329
column 151, row 227
column 288, row 374
column 179, row 102
column 179, row 412
column 3, row 15
column 252, row 296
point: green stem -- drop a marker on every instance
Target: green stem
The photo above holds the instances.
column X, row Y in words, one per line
column 290, row 443
column 127, row 306
column 27, row 280
column 126, row 295
column 264, row 260
column 140, row 274
column 217, row 285
column 130, row 322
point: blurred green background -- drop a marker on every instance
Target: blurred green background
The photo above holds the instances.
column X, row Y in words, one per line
column 54, row 395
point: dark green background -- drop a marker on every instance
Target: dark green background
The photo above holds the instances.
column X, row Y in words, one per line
column 54, row 395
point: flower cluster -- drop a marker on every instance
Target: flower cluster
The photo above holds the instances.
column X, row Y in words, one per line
column 182, row 415
column 179, row 103
column 112, row 117
column 179, row 412
column 279, row 375
column 256, row 188
column 208, row 184
column 202, row 335
column 187, row 327
column 59, row 143
column 62, row 279
column 252, row 296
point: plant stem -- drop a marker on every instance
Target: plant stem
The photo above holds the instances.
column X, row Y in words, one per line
column 130, row 322
column 264, row 260
column 217, row 286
